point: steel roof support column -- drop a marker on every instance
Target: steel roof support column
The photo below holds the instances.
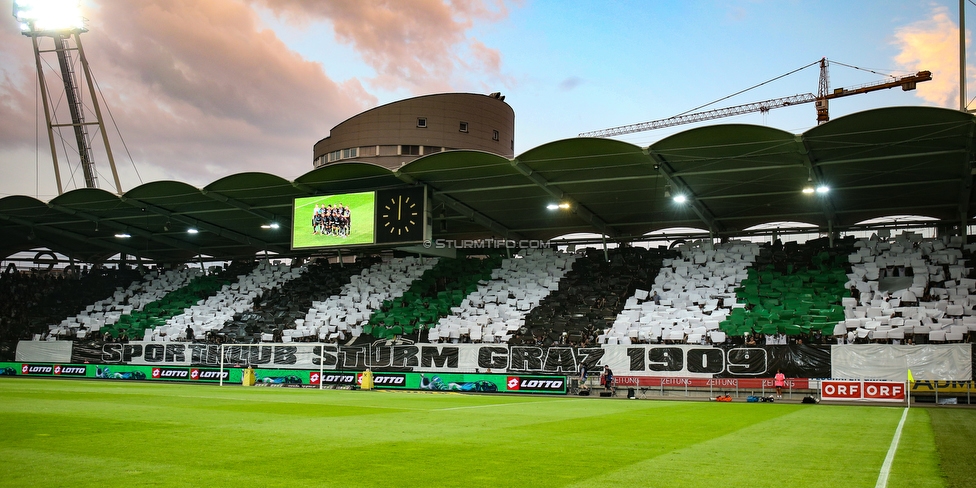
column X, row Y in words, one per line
column 578, row 208
column 667, row 171
column 220, row 197
column 71, row 235
column 966, row 186
column 217, row 230
column 457, row 206
column 830, row 213
column 127, row 229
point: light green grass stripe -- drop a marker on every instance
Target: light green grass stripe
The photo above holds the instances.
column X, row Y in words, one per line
column 804, row 446
column 916, row 463
column 101, row 433
column 892, row 449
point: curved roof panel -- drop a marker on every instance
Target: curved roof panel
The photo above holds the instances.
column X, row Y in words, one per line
column 346, row 177
column 736, row 175
column 894, row 161
column 901, row 160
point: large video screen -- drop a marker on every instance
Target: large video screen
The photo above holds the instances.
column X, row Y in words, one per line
column 334, row 220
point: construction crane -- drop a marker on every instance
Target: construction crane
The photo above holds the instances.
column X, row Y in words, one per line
column 821, row 99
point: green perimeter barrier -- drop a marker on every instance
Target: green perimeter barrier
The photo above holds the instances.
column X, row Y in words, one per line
column 458, row 382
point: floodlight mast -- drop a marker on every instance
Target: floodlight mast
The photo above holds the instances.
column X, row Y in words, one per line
column 61, row 20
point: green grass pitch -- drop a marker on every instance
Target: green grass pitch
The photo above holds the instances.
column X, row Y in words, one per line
column 92, row 433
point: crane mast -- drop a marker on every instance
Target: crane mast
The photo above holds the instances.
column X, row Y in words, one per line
column 822, row 98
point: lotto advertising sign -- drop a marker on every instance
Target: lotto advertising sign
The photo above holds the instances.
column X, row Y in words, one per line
column 472, row 383
column 13, row 369
column 875, row 391
column 54, row 370
column 485, row 383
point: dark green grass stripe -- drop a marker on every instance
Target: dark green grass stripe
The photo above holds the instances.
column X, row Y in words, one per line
column 815, row 446
column 955, row 439
column 77, row 433
column 916, row 462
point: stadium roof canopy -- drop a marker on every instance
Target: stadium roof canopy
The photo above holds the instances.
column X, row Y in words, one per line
column 890, row 161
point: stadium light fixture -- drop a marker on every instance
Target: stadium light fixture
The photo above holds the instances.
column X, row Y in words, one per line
column 273, row 225
column 122, row 235
column 558, row 206
column 823, row 189
column 192, row 230
column 680, row 198
column 808, row 190
column 40, row 16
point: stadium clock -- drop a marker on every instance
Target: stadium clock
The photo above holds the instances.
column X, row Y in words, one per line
column 400, row 215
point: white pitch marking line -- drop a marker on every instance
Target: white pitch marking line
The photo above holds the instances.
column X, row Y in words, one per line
column 886, row 467
column 499, row 405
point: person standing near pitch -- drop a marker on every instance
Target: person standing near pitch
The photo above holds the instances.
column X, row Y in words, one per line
column 607, row 379
column 778, row 381
column 582, row 376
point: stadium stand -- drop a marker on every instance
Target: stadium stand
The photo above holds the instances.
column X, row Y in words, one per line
column 590, row 296
column 342, row 317
column 430, row 297
column 144, row 312
column 910, row 289
column 496, row 309
column 286, row 307
column 696, row 291
column 31, row 302
column 793, row 294
column 901, row 290
column 210, row 314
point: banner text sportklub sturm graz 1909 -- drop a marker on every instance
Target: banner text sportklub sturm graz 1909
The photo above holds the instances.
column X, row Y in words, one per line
column 636, row 360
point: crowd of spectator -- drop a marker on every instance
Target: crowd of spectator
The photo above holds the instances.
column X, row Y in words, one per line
column 30, row 301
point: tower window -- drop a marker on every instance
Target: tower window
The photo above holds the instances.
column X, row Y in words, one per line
column 494, row 135
column 464, row 127
column 422, row 122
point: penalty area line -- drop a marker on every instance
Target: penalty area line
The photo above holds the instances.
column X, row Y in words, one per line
column 890, row 457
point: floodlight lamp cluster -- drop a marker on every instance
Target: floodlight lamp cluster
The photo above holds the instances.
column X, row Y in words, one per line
column 558, row 206
column 272, row 225
column 820, row 189
column 49, row 16
column 677, row 197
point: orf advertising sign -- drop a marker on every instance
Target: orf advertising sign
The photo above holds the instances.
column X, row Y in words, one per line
column 887, row 391
column 840, row 390
column 875, row 391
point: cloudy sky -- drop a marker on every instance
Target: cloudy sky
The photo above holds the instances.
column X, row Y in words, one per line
column 200, row 89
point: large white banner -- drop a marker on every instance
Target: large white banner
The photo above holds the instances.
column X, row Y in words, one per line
column 951, row 362
column 44, row 351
